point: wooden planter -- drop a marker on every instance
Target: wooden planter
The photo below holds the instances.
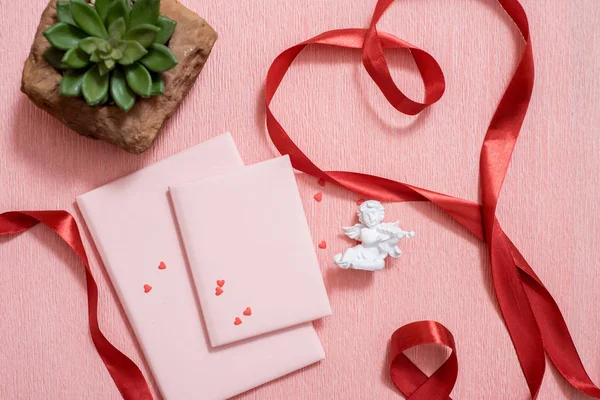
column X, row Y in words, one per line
column 135, row 130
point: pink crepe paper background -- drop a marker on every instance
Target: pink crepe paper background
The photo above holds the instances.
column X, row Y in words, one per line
column 549, row 205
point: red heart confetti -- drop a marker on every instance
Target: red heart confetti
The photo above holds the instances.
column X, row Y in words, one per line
column 147, row 288
column 321, row 182
column 220, row 282
column 248, row 312
column 218, row 291
column 360, row 201
column 162, row 265
column 237, row 321
column 323, row 244
column 319, row 196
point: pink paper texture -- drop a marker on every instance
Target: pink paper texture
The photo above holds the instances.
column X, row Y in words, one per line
column 134, row 229
column 248, row 228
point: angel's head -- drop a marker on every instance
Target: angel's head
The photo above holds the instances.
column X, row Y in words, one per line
column 371, row 213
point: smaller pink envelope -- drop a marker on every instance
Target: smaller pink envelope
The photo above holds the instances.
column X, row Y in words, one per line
column 250, row 251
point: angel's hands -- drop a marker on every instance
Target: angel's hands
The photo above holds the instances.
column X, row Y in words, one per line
column 383, row 238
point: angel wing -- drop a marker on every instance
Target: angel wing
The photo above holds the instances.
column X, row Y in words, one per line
column 353, row 232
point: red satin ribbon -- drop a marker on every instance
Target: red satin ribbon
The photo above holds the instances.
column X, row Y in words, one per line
column 407, row 377
column 125, row 373
column 532, row 317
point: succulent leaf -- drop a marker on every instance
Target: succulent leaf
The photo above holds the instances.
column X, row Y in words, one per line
column 94, row 86
column 117, row 29
column 89, row 44
column 103, row 45
column 118, row 9
column 102, row 8
column 139, row 79
column 54, row 57
column 122, row 45
column 120, row 91
column 106, row 66
column 70, row 85
column 76, row 58
column 145, row 34
column 63, row 9
column 167, row 27
column 159, row 58
column 102, row 69
column 88, row 19
column 144, row 12
column 133, row 52
column 95, row 57
column 64, row 36
column 116, row 54
column 110, row 64
column 104, row 99
column 158, row 84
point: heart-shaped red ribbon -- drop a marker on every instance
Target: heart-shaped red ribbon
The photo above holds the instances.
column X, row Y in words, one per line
column 532, row 317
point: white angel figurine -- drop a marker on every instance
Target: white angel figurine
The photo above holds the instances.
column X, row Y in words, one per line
column 378, row 239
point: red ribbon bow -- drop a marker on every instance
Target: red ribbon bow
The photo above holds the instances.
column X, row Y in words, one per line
column 407, row 377
column 533, row 319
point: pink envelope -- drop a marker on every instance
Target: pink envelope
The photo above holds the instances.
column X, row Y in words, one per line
column 250, row 251
column 133, row 227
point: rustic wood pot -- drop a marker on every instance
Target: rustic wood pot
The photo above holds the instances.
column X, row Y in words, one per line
column 135, row 130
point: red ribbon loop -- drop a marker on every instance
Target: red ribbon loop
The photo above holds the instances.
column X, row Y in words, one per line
column 533, row 319
column 377, row 67
column 126, row 375
column 407, row 377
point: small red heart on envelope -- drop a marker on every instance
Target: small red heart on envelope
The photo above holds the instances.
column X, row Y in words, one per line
column 218, row 291
column 323, row 244
column 248, row 312
column 162, row 265
column 220, row 282
column 147, row 288
column 237, row 321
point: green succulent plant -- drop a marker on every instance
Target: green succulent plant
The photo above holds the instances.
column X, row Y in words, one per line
column 112, row 50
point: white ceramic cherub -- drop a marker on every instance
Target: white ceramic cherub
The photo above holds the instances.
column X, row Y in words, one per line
column 378, row 239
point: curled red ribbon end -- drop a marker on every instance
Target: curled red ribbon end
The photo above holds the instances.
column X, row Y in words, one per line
column 407, row 377
column 127, row 376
